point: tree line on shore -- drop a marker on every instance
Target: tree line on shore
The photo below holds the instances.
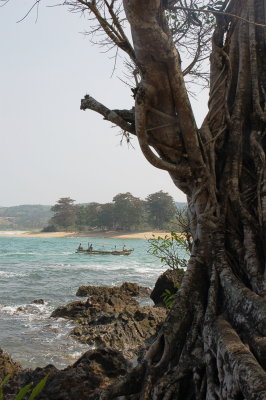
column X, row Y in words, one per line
column 125, row 212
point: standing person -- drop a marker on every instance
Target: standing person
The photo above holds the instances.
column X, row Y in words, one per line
column 80, row 248
column 90, row 248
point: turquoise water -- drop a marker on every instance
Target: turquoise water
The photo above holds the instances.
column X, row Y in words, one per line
column 49, row 269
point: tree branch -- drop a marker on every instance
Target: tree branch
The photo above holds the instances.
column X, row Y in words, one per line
column 114, row 30
column 210, row 11
column 89, row 103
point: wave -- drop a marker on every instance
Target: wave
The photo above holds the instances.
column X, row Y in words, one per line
column 28, row 310
column 34, row 253
column 11, row 232
column 5, row 274
column 45, row 340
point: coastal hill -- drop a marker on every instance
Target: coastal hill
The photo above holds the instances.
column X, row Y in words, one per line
column 24, row 217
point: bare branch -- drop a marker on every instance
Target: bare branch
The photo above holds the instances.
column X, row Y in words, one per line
column 112, row 29
column 89, row 103
column 4, row 3
column 216, row 12
column 34, row 5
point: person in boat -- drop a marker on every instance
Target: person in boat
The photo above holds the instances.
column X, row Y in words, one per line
column 80, row 248
column 124, row 248
column 90, row 248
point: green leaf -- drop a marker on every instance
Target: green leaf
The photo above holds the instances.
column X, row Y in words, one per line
column 38, row 388
column 21, row 394
column 2, row 383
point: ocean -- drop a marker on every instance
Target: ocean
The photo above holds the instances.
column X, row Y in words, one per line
column 49, row 269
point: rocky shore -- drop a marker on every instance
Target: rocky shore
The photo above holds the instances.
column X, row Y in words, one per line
column 117, row 330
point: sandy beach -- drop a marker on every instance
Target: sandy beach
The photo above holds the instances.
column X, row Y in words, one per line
column 96, row 234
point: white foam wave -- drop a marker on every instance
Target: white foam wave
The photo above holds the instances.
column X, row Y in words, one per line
column 11, row 232
column 28, row 312
column 5, row 274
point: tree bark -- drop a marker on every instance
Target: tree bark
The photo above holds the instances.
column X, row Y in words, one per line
column 213, row 344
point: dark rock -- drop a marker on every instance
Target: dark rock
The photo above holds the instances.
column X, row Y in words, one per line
column 105, row 302
column 128, row 329
column 74, row 310
column 127, row 288
column 111, row 321
column 170, row 279
column 110, row 318
column 132, row 289
column 95, row 369
column 38, row 301
column 111, row 300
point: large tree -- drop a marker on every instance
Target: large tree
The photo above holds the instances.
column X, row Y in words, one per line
column 162, row 209
column 213, row 344
column 64, row 213
column 128, row 211
column 106, row 216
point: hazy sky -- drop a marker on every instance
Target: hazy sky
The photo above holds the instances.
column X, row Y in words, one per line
column 49, row 148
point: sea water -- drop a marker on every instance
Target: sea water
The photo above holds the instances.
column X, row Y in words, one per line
column 49, row 269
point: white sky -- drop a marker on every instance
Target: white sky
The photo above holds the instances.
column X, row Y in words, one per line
column 49, row 148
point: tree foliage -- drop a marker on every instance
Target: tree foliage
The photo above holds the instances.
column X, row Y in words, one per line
column 161, row 208
column 172, row 250
column 64, row 213
column 24, row 217
column 128, row 210
column 125, row 212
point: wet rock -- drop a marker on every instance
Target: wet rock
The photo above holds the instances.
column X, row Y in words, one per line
column 74, row 310
column 7, row 365
column 127, row 288
column 129, row 329
column 132, row 289
column 95, row 369
column 38, row 301
column 113, row 319
column 170, row 279
column 105, row 302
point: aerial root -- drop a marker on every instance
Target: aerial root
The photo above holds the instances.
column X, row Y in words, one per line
column 238, row 369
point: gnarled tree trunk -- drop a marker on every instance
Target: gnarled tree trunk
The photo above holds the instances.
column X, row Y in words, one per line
column 213, row 344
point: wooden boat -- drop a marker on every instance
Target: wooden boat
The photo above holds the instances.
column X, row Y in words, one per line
column 103, row 252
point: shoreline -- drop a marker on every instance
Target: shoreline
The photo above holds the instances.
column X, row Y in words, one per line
column 89, row 234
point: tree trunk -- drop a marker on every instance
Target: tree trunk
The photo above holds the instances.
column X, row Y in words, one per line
column 213, row 344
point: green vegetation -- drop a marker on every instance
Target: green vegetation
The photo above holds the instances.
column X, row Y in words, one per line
column 64, row 213
column 169, row 297
column 173, row 251
column 25, row 390
column 162, row 209
column 170, row 249
column 125, row 212
column 24, row 217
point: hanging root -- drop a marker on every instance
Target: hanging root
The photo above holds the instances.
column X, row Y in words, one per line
column 238, row 369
